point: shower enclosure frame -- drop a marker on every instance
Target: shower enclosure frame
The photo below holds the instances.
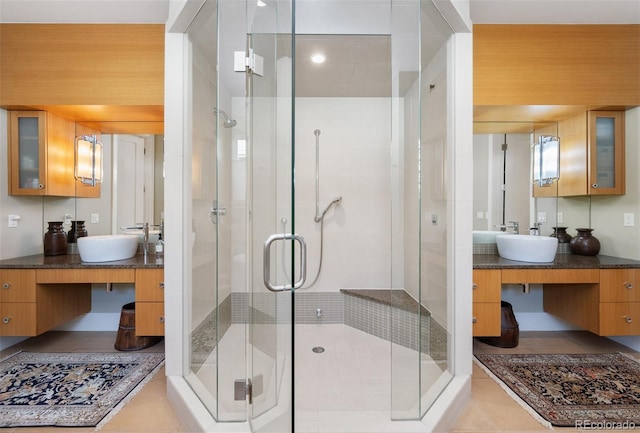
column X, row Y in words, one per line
column 179, row 235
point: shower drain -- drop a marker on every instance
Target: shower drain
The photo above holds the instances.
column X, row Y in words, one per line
column 317, row 349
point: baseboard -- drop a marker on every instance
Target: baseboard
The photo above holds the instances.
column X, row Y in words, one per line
column 542, row 322
column 92, row 322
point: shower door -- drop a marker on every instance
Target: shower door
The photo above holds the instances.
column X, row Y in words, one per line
column 271, row 240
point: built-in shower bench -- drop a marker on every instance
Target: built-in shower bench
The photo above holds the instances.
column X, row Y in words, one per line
column 396, row 316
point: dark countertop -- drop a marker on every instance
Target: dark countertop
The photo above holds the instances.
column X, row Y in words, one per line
column 72, row 261
column 562, row 261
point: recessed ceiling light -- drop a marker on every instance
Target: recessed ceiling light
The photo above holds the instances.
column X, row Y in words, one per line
column 261, row 4
column 318, row 58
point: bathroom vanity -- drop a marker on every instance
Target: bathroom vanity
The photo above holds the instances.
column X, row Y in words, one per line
column 600, row 294
column 39, row 293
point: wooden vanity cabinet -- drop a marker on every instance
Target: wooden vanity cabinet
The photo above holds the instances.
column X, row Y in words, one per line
column 28, row 308
column 486, row 302
column 41, row 156
column 17, row 302
column 149, row 302
column 610, row 307
column 619, row 306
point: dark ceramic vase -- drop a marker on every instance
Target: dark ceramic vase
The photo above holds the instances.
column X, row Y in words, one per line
column 561, row 234
column 77, row 230
column 55, row 240
column 584, row 243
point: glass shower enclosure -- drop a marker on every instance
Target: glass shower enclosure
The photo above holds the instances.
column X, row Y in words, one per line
column 318, row 285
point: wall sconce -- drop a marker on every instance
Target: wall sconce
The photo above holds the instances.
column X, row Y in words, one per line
column 88, row 167
column 546, row 160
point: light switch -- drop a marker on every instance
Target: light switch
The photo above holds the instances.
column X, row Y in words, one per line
column 560, row 218
column 542, row 217
column 95, row 218
column 629, row 220
column 13, row 221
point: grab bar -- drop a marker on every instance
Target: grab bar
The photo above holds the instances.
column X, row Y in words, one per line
column 266, row 270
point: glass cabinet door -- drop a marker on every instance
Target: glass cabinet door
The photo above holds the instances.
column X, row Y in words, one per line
column 606, row 153
column 26, row 152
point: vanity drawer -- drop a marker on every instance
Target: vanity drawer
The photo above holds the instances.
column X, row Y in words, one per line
column 486, row 285
column 619, row 318
column 18, row 319
column 149, row 285
column 149, row 318
column 486, row 319
column 17, row 285
column 620, row 285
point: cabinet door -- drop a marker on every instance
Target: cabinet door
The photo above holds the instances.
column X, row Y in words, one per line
column 149, row 318
column 27, row 152
column 149, row 285
column 18, row 319
column 620, row 285
column 486, row 319
column 41, row 154
column 606, row 153
column 619, row 318
column 17, row 285
column 486, row 285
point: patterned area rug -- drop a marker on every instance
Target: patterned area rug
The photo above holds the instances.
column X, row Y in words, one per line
column 70, row 389
column 583, row 391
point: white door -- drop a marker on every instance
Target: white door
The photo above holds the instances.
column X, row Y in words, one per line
column 128, row 178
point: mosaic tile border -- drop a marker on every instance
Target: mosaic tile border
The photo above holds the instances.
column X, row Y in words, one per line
column 404, row 326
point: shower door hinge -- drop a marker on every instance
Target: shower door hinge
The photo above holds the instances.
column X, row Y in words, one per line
column 247, row 389
column 251, row 62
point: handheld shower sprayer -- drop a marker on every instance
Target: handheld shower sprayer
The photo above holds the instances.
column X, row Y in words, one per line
column 228, row 122
column 335, row 202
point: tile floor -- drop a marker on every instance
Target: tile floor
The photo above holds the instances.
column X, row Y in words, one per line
column 490, row 410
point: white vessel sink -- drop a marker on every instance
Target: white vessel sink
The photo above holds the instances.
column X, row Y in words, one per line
column 486, row 236
column 107, row 248
column 527, row 248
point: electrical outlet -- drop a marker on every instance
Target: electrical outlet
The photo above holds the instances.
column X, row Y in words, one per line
column 560, row 218
column 95, row 218
column 629, row 220
column 542, row 217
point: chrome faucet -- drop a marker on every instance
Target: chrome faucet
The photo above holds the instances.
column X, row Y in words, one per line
column 535, row 230
column 145, row 239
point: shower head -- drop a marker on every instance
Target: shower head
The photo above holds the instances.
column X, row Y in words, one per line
column 228, row 122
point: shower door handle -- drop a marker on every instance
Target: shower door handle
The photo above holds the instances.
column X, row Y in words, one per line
column 266, row 269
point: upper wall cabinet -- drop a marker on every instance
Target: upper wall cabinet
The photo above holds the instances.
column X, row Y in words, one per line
column 591, row 156
column 41, row 156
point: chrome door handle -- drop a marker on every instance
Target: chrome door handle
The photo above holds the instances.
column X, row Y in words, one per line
column 266, row 264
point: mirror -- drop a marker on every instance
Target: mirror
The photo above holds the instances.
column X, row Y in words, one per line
column 132, row 191
column 502, row 178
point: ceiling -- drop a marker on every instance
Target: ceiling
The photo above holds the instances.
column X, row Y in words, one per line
column 482, row 11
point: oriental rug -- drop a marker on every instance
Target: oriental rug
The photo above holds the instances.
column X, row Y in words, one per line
column 584, row 391
column 70, row 389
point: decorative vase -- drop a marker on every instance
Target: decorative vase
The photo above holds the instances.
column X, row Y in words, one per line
column 55, row 240
column 584, row 243
column 561, row 234
column 77, row 230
